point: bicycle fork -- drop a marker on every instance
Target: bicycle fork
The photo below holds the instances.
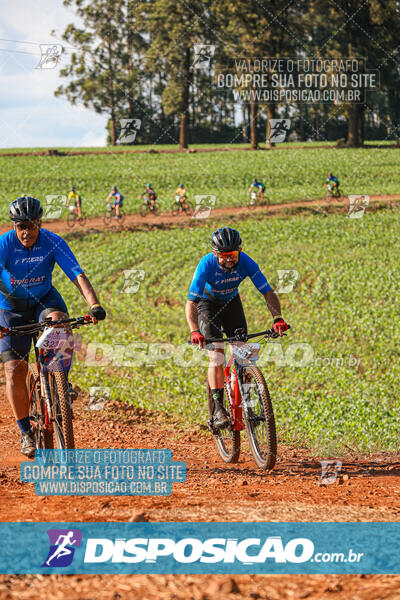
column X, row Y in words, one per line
column 45, row 391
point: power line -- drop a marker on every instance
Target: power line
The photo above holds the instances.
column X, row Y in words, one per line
column 18, row 51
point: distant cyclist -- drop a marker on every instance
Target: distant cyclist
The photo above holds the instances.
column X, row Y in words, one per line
column 28, row 255
column 258, row 187
column 180, row 196
column 117, row 201
column 332, row 183
column 75, row 200
column 214, row 305
column 149, row 196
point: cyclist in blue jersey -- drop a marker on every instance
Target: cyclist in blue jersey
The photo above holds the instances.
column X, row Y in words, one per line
column 332, row 183
column 214, row 305
column 28, row 255
column 118, row 200
column 259, row 187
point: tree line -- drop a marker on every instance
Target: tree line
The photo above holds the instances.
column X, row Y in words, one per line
column 137, row 60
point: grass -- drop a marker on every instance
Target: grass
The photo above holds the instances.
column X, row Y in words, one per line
column 289, row 175
column 336, row 390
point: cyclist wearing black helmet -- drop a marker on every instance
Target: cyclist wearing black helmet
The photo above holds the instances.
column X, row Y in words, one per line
column 28, row 254
column 214, row 304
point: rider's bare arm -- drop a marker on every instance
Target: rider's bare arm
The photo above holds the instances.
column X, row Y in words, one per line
column 86, row 289
column 273, row 303
column 192, row 315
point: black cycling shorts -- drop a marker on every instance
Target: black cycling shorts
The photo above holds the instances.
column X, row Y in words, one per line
column 216, row 318
column 18, row 347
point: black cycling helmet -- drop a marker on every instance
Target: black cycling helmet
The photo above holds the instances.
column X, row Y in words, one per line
column 226, row 239
column 25, row 208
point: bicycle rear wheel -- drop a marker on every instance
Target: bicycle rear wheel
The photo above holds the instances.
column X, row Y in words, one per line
column 62, row 411
column 156, row 210
column 43, row 438
column 259, row 421
column 144, row 210
column 226, row 440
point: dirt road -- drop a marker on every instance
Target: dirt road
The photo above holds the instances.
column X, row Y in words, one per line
column 368, row 490
column 166, row 220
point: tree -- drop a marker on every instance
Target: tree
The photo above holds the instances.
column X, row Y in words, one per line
column 101, row 71
column 175, row 29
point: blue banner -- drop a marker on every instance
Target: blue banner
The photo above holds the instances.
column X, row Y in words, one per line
column 199, row 548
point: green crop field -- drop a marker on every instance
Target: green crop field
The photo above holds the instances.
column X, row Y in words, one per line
column 334, row 378
column 289, row 174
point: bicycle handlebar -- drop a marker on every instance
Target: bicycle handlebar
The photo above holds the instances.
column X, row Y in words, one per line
column 36, row 327
column 243, row 337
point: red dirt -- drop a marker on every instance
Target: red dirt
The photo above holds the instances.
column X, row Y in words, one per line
column 368, row 490
column 133, row 222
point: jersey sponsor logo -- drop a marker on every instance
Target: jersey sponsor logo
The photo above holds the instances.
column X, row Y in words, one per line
column 227, row 291
column 30, row 280
column 31, row 259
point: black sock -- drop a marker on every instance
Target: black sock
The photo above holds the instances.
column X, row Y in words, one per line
column 24, row 425
column 218, row 396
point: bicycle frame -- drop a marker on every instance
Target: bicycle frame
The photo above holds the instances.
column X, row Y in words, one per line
column 41, row 355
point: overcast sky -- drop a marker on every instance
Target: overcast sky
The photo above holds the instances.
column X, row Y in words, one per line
column 30, row 114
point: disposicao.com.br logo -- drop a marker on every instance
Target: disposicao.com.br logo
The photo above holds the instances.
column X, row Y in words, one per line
column 212, row 550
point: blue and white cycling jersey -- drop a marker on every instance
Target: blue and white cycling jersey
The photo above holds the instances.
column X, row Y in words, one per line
column 117, row 197
column 212, row 282
column 26, row 274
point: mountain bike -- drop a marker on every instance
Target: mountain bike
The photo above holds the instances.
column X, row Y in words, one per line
column 179, row 207
column 256, row 199
column 333, row 191
column 73, row 218
column 110, row 214
column 148, row 207
column 246, row 399
column 50, row 403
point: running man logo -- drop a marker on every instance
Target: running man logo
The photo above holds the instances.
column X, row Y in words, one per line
column 129, row 130
column 55, row 204
column 330, row 471
column 50, row 56
column 287, row 279
column 133, row 279
column 61, row 551
column 204, row 204
column 357, row 206
column 203, row 54
column 279, row 128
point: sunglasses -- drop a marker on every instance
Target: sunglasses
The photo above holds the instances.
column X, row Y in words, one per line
column 227, row 255
column 27, row 225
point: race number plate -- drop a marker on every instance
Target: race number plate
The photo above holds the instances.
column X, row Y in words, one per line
column 53, row 338
column 247, row 352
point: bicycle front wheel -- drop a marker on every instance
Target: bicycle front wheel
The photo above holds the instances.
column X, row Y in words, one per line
column 189, row 208
column 71, row 218
column 227, row 440
column 62, row 411
column 259, row 418
column 43, row 437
